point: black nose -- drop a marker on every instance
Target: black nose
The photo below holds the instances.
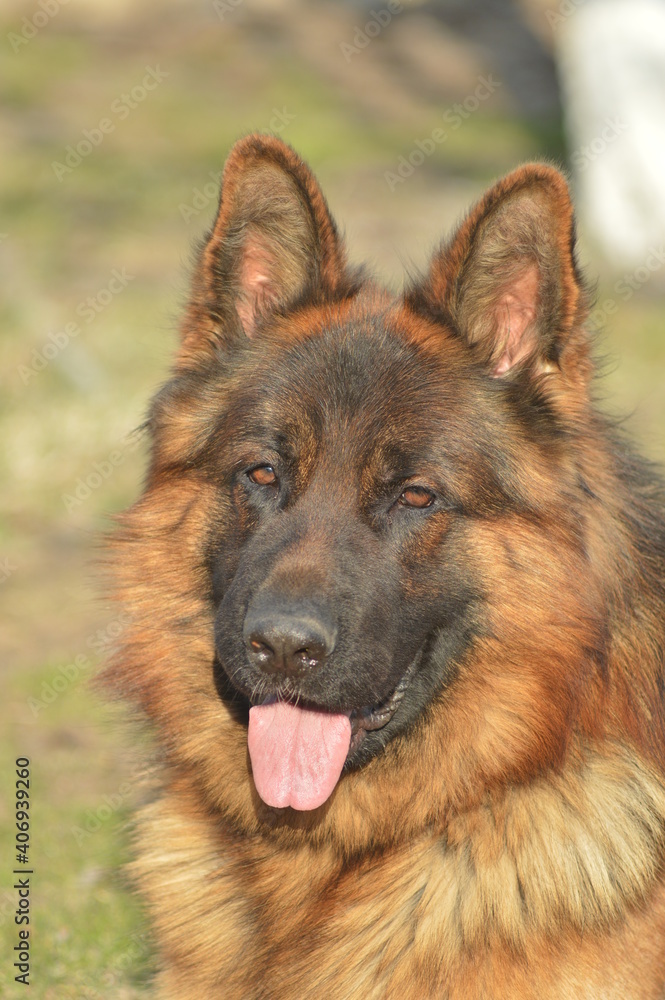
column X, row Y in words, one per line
column 287, row 638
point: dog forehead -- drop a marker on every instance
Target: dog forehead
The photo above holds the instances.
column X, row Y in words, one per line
column 362, row 366
column 362, row 392
column 359, row 386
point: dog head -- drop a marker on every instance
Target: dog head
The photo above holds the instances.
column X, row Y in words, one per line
column 365, row 533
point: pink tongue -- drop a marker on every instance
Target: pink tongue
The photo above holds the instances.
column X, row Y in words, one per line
column 297, row 753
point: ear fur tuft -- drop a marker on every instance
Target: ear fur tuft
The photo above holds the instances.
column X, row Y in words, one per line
column 508, row 280
column 273, row 243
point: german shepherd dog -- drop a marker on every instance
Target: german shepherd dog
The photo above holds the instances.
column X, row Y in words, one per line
column 397, row 605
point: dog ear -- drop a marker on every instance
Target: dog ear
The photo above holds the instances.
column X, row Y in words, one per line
column 273, row 242
column 508, row 281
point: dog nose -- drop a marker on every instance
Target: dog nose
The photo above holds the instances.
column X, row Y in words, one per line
column 286, row 640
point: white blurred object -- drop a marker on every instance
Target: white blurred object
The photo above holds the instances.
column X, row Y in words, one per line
column 611, row 55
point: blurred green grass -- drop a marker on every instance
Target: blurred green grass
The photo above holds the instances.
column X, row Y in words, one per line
column 121, row 208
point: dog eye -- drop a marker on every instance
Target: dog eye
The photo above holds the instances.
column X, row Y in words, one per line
column 263, row 475
column 416, row 496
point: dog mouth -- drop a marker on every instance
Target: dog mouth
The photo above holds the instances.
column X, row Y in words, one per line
column 369, row 719
column 298, row 752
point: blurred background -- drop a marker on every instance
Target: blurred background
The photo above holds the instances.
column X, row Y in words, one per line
column 115, row 119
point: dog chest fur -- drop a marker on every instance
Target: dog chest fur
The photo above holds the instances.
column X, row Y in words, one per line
column 549, row 872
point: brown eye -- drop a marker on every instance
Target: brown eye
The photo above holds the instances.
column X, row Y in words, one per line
column 263, row 475
column 416, row 496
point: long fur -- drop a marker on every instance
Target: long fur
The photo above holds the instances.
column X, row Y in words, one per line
column 510, row 842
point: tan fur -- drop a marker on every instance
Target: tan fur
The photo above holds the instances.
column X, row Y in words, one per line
column 511, row 844
column 562, row 868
